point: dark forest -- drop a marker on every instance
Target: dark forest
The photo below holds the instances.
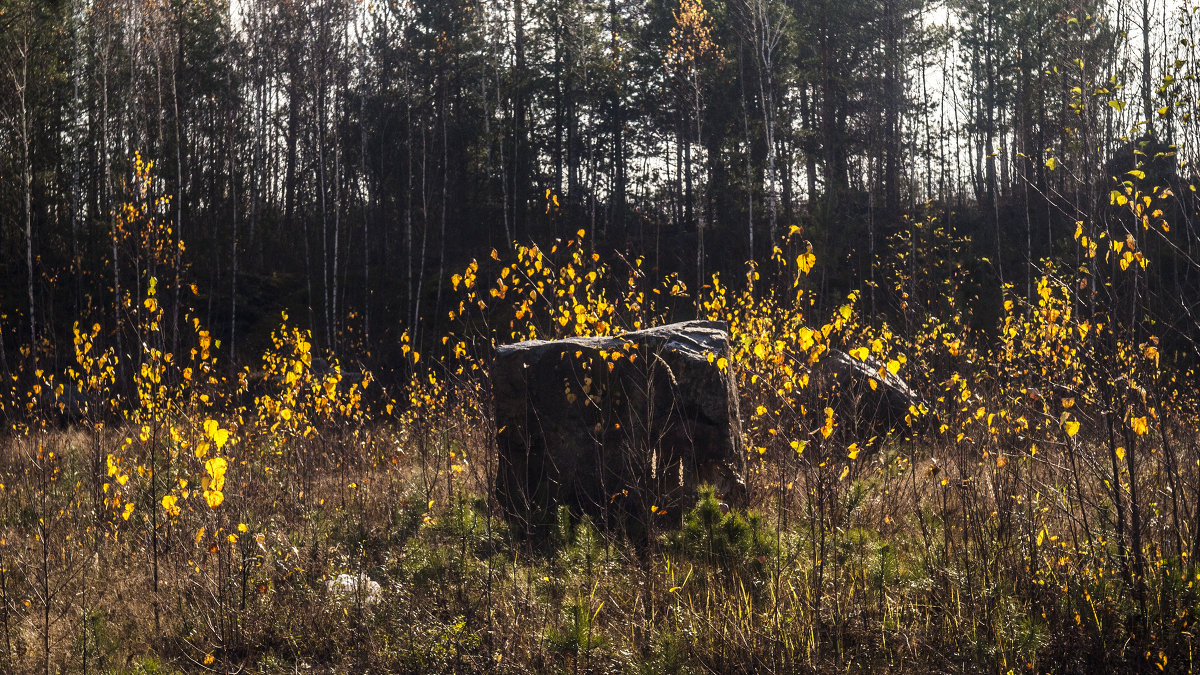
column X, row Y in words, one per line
column 340, row 159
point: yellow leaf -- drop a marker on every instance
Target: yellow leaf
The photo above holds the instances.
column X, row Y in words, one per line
column 807, row 338
column 1140, row 425
column 860, row 353
column 214, row 498
column 1071, row 427
column 1041, row 536
column 806, row 261
column 1051, row 163
column 1121, row 453
column 845, row 472
column 216, row 469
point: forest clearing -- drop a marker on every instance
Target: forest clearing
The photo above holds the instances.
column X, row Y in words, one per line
column 287, row 289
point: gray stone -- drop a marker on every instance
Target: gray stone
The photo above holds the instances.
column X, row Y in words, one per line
column 845, row 382
column 623, row 429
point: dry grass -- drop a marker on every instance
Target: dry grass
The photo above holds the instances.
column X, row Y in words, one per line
column 891, row 584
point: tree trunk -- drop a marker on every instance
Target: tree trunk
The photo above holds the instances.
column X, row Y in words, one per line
column 520, row 152
column 618, row 131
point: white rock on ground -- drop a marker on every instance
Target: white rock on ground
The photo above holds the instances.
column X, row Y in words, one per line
column 350, row 588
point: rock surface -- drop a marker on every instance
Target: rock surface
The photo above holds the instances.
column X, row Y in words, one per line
column 846, row 381
column 623, row 428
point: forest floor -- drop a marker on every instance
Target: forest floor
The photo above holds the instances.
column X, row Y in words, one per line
column 254, row 586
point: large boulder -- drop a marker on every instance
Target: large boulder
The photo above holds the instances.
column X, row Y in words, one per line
column 623, row 429
column 66, row 406
column 869, row 398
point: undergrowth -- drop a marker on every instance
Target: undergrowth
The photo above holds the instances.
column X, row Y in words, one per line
column 1035, row 511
